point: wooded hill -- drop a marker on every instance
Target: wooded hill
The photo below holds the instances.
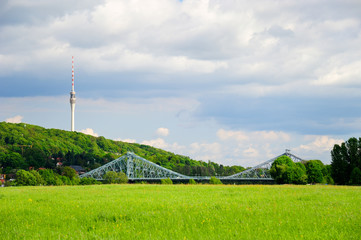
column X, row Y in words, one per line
column 24, row 146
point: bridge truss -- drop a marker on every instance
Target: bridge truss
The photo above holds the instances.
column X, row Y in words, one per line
column 261, row 171
column 138, row 168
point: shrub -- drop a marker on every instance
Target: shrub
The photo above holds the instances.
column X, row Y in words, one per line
column 122, row 178
column 192, row 181
column 69, row 172
column 66, row 180
column 214, row 180
column 50, row 177
column 25, row 178
column 88, row 181
column 110, row 177
column 38, row 179
column 166, row 181
column 9, row 183
column 114, row 177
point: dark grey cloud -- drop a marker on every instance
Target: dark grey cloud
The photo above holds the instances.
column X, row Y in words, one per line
column 40, row 12
column 305, row 115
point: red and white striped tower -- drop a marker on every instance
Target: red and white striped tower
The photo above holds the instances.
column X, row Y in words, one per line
column 72, row 94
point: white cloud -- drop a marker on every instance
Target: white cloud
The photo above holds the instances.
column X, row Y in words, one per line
column 206, row 151
column 251, row 152
column 238, row 136
column 128, row 140
column 16, row 119
column 241, row 136
column 341, row 74
column 157, row 143
column 319, row 144
column 162, row 144
column 163, row 132
column 89, row 131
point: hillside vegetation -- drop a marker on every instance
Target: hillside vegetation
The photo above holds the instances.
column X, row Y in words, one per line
column 24, row 146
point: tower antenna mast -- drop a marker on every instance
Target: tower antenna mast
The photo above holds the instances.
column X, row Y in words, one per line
column 72, row 94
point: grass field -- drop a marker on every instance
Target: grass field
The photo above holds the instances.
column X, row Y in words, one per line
column 180, row 212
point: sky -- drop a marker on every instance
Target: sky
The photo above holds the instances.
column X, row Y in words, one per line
column 231, row 81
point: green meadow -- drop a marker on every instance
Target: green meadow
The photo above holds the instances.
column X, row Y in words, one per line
column 147, row 211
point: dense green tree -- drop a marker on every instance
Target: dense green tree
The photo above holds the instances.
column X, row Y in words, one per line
column 39, row 180
column 345, row 158
column 25, row 178
column 284, row 170
column 300, row 175
column 327, row 172
column 314, row 171
column 50, row 177
column 2, row 159
column 14, row 160
column 355, row 178
column 69, row 172
column 280, row 169
column 35, row 157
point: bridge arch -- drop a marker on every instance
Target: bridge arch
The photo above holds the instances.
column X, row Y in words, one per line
column 138, row 168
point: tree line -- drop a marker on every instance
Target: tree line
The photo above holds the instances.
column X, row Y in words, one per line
column 285, row 171
column 344, row 168
column 64, row 176
column 24, row 146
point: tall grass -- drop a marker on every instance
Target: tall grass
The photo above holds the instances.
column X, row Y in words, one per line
column 181, row 212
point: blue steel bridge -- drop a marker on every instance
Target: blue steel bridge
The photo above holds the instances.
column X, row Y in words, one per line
column 140, row 169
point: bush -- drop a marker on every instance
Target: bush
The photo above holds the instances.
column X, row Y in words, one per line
column 192, row 181
column 50, row 177
column 166, row 181
column 9, row 183
column 214, row 180
column 122, row 178
column 75, row 181
column 66, row 180
column 39, row 180
column 88, row 181
column 140, row 182
column 114, row 177
column 25, row 178
column 69, row 172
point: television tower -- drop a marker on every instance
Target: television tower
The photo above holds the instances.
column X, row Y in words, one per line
column 72, row 94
